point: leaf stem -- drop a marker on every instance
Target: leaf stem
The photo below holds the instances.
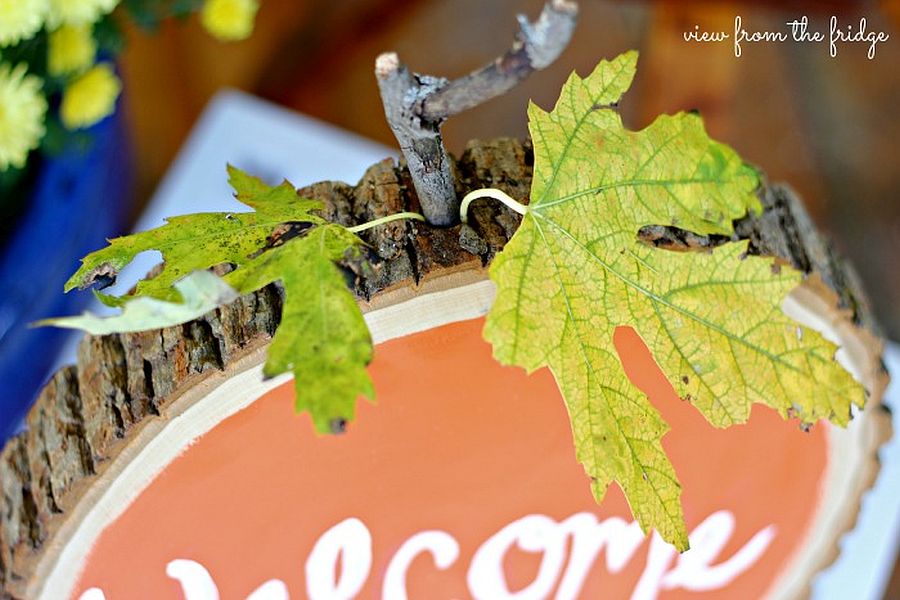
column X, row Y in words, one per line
column 387, row 219
column 489, row 193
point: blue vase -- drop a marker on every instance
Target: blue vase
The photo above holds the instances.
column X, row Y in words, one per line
column 80, row 198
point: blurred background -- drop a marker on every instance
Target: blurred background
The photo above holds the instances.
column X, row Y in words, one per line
column 827, row 126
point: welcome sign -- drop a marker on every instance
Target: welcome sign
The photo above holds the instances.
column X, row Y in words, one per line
column 460, row 483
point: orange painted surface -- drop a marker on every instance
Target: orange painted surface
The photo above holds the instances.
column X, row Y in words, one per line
column 458, row 443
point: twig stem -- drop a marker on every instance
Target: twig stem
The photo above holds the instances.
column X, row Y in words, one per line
column 489, row 193
column 381, row 221
column 417, row 105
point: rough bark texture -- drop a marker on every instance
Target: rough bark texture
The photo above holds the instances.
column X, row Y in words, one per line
column 402, row 92
column 85, row 414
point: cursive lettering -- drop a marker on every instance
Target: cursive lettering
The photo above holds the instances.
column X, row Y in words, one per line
column 705, row 36
column 837, row 34
column 797, row 30
column 340, row 563
column 742, row 35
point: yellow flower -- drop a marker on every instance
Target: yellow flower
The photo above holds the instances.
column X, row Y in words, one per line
column 71, row 49
column 78, row 12
column 90, row 97
column 20, row 19
column 22, row 110
column 229, row 20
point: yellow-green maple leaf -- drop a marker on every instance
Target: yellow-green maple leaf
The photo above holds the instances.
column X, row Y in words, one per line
column 200, row 292
column 322, row 338
column 575, row 270
column 199, row 241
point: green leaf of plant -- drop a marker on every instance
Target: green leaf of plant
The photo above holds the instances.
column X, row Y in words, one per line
column 575, row 270
column 200, row 293
column 199, row 241
column 322, row 338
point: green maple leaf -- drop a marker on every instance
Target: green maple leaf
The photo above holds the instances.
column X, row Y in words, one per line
column 200, row 292
column 575, row 270
column 322, row 339
column 195, row 242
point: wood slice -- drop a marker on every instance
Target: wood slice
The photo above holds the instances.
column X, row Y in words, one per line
column 102, row 430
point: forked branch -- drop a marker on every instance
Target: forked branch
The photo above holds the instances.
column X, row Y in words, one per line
column 417, row 105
